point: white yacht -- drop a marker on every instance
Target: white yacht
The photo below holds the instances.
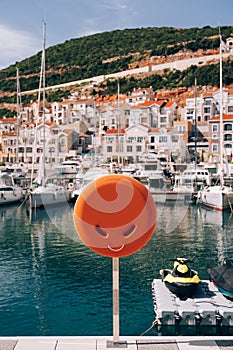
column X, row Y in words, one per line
column 151, row 175
column 16, row 171
column 195, row 176
column 218, row 197
column 9, row 192
column 68, row 167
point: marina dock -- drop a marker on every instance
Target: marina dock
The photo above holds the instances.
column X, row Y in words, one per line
column 207, row 307
column 129, row 342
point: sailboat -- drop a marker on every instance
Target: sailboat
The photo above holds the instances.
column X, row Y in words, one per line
column 44, row 192
column 218, row 197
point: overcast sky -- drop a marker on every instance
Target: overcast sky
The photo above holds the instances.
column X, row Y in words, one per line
column 21, row 21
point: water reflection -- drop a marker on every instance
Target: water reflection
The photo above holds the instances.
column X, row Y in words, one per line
column 52, row 284
column 215, row 217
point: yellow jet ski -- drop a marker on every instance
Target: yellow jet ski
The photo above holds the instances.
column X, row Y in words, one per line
column 181, row 280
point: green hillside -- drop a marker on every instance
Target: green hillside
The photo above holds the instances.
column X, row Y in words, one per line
column 114, row 51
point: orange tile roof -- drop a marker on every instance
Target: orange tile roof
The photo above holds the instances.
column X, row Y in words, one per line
column 224, row 117
column 115, row 131
column 65, row 102
column 160, row 102
column 68, row 131
column 145, row 104
column 208, row 94
column 8, row 134
column 81, row 100
column 168, row 104
column 8, row 120
column 49, row 123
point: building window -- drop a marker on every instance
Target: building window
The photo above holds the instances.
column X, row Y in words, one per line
column 163, row 119
column 129, row 148
column 163, row 139
column 214, row 127
column 138, row 148
column 228, row 127
column 228, row 137
column 144, row 120
column 228, row 146
column 180, row 128
column 207, row 102
column 175, row 139
column 207, row 110
column 109, row 149
column 214, row 147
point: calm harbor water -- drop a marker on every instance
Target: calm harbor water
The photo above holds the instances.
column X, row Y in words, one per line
column 52, row 284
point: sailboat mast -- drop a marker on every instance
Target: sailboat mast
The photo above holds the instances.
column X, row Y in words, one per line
column 221, row 108
column 43, row 74
column 18, row 115
column 119, row 122
column 41, row 83
column 195, row 124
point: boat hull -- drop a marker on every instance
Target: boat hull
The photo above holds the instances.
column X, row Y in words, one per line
column 45, row 196
column 10, row 195
column 182, row 290
column 173, row 196
column 222, row 278
column 216, row 197
column 227, row 294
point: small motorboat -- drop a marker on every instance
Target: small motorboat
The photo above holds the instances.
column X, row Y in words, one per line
column 181, row 280
column 222, row 278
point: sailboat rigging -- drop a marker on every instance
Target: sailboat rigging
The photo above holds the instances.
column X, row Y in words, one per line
column 46, row 193
column 218, row 197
